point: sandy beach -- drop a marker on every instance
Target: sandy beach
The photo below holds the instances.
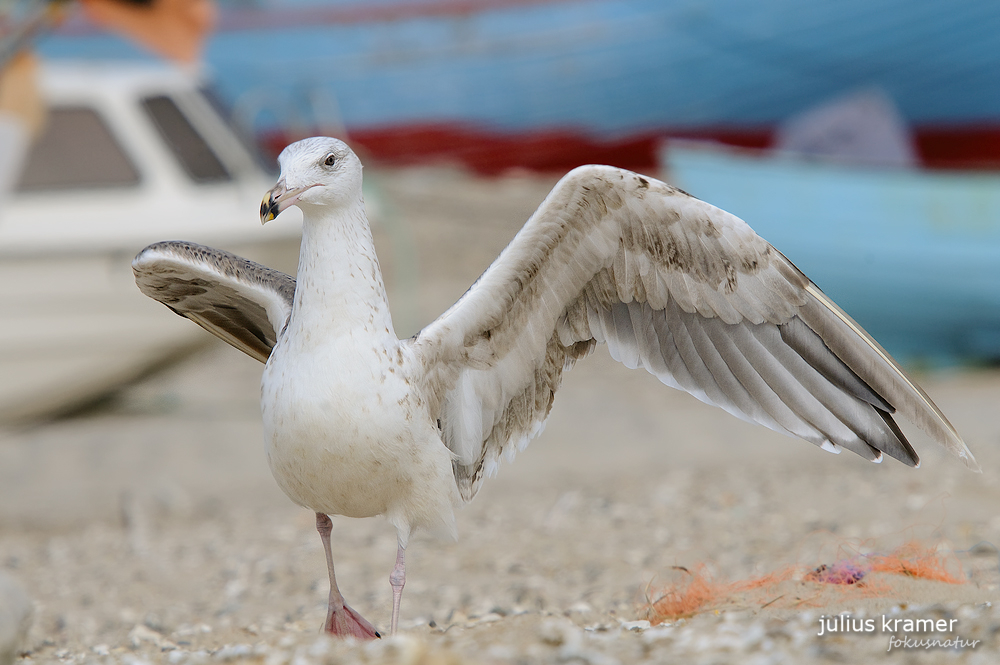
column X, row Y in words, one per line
column 147, row 528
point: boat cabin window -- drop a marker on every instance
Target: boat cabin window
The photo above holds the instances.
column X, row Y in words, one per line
column 188, row 146
column 243, row 134
column 76, row 150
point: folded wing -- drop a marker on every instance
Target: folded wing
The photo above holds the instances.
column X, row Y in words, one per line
column 674, row 285
column 239, row 301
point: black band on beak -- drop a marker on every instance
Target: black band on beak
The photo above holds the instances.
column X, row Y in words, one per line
column 268, row 209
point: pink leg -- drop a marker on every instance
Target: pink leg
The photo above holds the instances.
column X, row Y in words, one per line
column 341, row 620
column 397, row 578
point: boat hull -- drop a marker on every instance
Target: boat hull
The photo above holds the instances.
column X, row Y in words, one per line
column 912, row 255
column 555, row 83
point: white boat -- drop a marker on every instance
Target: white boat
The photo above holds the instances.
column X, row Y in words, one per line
column 129, row 154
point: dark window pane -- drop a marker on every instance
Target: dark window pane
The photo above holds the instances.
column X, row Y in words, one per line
column 76, row 150
column 190, row 149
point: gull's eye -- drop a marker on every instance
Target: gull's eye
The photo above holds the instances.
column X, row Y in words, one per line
column 330, row 160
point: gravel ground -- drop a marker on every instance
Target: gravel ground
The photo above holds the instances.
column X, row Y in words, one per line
column 148, row 529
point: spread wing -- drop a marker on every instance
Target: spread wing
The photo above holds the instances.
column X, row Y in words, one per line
column 239, row 301
column 674, row 285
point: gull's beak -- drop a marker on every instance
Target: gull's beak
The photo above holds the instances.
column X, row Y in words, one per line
column 279, row 198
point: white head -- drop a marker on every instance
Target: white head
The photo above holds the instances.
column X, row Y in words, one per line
column 320, row 171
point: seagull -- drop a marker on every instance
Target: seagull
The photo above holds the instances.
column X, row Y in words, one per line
column 360, row 423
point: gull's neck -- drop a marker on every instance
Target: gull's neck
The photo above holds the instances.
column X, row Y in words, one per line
column 339, row 287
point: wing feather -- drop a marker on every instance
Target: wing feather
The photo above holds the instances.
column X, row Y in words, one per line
column 678, row 287
column 239, row 301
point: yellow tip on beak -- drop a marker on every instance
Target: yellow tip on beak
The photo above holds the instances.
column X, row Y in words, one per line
column 268, row 208
column 279, row 198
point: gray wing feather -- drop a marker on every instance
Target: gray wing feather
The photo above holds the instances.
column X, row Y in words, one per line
column 863, row 355
column 680, row 288
column 804, row 341
column 239, row 301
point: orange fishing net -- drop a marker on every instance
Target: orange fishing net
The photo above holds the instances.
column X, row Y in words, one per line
column 916, row 560
column 693, row 591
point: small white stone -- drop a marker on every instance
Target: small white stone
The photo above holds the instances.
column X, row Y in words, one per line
column 638, row 626
column 141, row 634
column 234, row 652
column 15, row 618
column 558, row 633
column 659, row 632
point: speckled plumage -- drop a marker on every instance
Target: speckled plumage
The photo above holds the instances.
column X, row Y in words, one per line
column 360, row 423
column 345, row 431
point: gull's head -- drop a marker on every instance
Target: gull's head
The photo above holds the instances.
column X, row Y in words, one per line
column 319, row 171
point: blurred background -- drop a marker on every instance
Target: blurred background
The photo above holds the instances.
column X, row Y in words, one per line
column 861, row 137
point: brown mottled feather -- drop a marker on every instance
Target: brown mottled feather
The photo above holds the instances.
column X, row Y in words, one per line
column 676, row 286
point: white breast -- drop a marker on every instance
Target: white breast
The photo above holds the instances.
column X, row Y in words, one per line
column 346, row 435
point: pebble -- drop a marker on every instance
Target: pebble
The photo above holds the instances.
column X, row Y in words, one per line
column 235, row 652
column 638, row 626
column 15, row 618
column 141, row 634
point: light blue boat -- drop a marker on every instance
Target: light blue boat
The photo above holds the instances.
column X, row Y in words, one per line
column 913, row 256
